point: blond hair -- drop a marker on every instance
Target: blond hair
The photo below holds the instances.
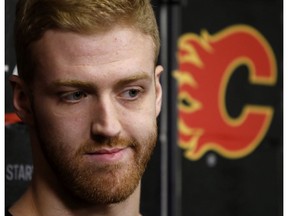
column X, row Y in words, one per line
column 35, row 17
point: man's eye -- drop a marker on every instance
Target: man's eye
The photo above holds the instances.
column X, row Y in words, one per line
column 74, row 96
column 131, row 94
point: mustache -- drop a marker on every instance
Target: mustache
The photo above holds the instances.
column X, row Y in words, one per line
column 106, row 142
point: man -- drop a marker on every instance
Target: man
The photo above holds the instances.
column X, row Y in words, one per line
column 89, row 91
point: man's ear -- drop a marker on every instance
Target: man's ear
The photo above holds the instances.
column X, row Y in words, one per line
column 21, row 99
column 158, row 70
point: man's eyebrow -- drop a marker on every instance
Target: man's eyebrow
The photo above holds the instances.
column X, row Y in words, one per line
column 73, row 83
column 90, row 85
column 134, row 78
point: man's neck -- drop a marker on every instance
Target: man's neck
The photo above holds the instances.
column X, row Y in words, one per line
column 39, row 201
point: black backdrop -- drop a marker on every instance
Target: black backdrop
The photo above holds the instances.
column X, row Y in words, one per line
column 212, row 185
column 251, row 185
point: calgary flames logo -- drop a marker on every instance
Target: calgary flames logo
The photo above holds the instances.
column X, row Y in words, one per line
column 206, row 64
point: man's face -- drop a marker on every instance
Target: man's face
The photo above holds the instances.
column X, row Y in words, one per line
column 95, row 103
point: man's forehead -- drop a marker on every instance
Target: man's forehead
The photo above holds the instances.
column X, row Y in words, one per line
column 119, row 35
column 114, row 45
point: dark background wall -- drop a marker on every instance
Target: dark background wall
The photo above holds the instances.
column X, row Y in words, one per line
column 174, row 185
column 251, row 185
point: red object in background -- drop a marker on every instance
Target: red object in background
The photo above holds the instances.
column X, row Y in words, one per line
column 206, row 64
column 11, row 118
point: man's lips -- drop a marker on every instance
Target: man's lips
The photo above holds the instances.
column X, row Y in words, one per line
column 107, row 155
column 107, row 151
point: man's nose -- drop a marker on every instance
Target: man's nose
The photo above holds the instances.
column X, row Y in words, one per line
column 106, row 120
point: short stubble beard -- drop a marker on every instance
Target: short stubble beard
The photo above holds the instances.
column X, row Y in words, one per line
column 103, row 184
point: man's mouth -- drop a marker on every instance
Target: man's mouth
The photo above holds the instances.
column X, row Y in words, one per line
column 109, row 155
column 107, row 151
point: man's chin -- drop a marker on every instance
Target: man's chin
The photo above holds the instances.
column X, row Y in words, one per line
column 106, row 187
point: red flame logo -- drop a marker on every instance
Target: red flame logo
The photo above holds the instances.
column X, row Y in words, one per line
column 206, row 63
